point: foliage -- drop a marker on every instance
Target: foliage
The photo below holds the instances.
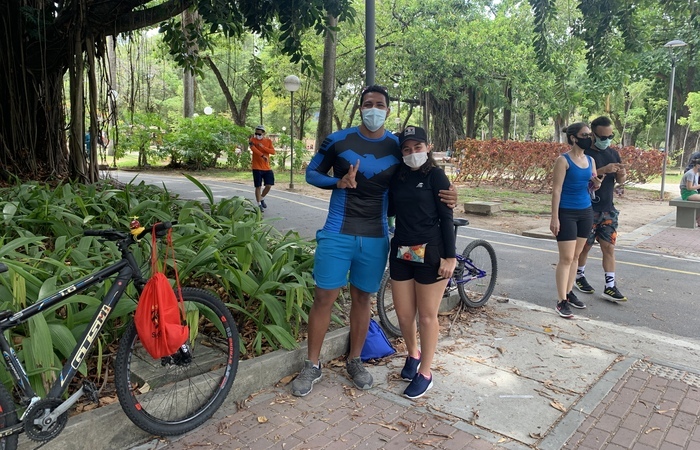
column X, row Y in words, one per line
column 530, row 164
column 513, row 163
column 300, row 153
column 264, row 276
column 643, row 164
column 144, row 135
column 199, row 142
column 693, row 104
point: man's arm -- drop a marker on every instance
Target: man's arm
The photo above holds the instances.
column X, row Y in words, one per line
column 269, row 148
column 320, row 164
column 449, row 196
column 255, row 149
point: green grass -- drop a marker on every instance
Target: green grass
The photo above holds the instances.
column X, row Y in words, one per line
column 673, row 178
column 521, row 202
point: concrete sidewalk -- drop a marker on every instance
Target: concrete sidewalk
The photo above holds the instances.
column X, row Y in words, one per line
column 510, row 376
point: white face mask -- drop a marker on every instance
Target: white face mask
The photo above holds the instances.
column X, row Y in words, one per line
column 258, row 136
column 415, row 160
column 373, row 118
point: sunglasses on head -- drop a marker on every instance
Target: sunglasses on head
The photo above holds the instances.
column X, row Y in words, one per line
column 605, row 138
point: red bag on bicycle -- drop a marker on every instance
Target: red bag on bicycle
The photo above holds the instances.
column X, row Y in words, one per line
column 160, row 315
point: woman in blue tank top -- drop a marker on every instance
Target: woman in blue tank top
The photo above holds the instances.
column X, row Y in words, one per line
column 572, row 216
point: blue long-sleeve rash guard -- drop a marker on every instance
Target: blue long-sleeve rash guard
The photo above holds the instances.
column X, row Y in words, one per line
column 360, row 211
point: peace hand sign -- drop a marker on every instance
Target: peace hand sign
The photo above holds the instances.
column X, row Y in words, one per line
column 348, row 181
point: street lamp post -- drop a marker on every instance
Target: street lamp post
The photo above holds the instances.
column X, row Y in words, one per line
column 292, row 84
column 670, row 46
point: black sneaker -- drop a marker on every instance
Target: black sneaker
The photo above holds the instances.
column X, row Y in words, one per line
column 564, row 310
column 304, row 382
column 612, row 294
column 583, row 286
column 410, row 369
column 574, row 301
column 263, row 205
column 419, row 386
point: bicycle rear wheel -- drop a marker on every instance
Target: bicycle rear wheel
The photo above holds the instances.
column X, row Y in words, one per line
column 385, row 307
column 8, row 417
column 481, row 264
column 176, row 394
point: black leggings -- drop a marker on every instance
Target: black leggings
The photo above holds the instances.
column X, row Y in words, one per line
column 574, row 223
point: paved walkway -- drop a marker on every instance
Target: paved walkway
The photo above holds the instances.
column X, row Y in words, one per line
column 510, row 376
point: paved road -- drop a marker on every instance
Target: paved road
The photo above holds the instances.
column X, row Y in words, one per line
column 662, row 289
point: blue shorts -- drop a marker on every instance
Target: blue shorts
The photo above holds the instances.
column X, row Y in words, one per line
column 337, row 254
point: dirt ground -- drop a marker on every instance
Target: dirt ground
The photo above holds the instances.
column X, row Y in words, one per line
column 637, row 207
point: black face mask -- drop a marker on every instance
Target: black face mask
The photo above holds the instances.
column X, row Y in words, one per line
column 584, row 143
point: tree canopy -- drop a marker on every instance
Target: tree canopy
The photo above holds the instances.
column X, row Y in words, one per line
column 45, row 39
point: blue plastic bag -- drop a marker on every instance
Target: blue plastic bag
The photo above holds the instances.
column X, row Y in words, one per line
column 376, row 344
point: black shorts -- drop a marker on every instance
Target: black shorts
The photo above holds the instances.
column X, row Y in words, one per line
column 424, row 273
column 266, row 176
column 574, row 223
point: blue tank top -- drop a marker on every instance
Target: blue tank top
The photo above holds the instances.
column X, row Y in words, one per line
column 574, row 190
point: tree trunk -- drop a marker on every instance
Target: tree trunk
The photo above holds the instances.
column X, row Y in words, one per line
column 507, row 111
column 447, row 124
column 325, row 115
column 530, row 125
column 188, row 18
column 32, row 123
column 471, row 112
column 238, row 115
column 77, row 139
column 112, row 93
column 559, row 124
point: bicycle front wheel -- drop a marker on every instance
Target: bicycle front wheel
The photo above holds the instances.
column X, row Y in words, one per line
column 178, row 393
column 8, row 417
column 478, row 274
column 385, row 307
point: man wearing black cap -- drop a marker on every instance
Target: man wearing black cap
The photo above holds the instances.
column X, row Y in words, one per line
column 262, row 148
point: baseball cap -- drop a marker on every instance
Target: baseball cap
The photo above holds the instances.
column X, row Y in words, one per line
column 411, row 133
column 261, row 128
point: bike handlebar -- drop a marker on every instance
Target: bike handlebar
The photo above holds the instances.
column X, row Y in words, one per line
column 116, row 235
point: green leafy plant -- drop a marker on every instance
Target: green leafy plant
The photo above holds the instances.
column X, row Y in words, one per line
column 199, row 142
column 144, row 134
column 224, row 246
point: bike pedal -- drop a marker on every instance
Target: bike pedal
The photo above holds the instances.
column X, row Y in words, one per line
column 91, row 391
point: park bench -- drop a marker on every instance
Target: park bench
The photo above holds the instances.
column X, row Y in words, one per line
column 686, row 212
column 482, row 208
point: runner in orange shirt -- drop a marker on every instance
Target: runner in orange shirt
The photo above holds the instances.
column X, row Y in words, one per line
column 262, row 173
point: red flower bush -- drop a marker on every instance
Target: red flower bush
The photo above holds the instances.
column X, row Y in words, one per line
column 529, row 164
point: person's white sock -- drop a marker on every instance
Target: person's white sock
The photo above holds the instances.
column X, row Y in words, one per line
column 609, row 279
column 579, row 272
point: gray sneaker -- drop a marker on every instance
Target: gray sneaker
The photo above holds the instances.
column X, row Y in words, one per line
column 360, row 376
column 304, row 382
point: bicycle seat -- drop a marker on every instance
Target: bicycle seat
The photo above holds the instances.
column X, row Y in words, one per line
column 459, row 222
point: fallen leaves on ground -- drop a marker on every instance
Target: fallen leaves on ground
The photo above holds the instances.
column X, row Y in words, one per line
column 556, row 405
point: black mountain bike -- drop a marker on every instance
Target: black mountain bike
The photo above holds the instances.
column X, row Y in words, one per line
column 167, row 396
column 474, row 278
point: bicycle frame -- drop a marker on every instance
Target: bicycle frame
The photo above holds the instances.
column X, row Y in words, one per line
column 127, row 270
column 474, row 272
